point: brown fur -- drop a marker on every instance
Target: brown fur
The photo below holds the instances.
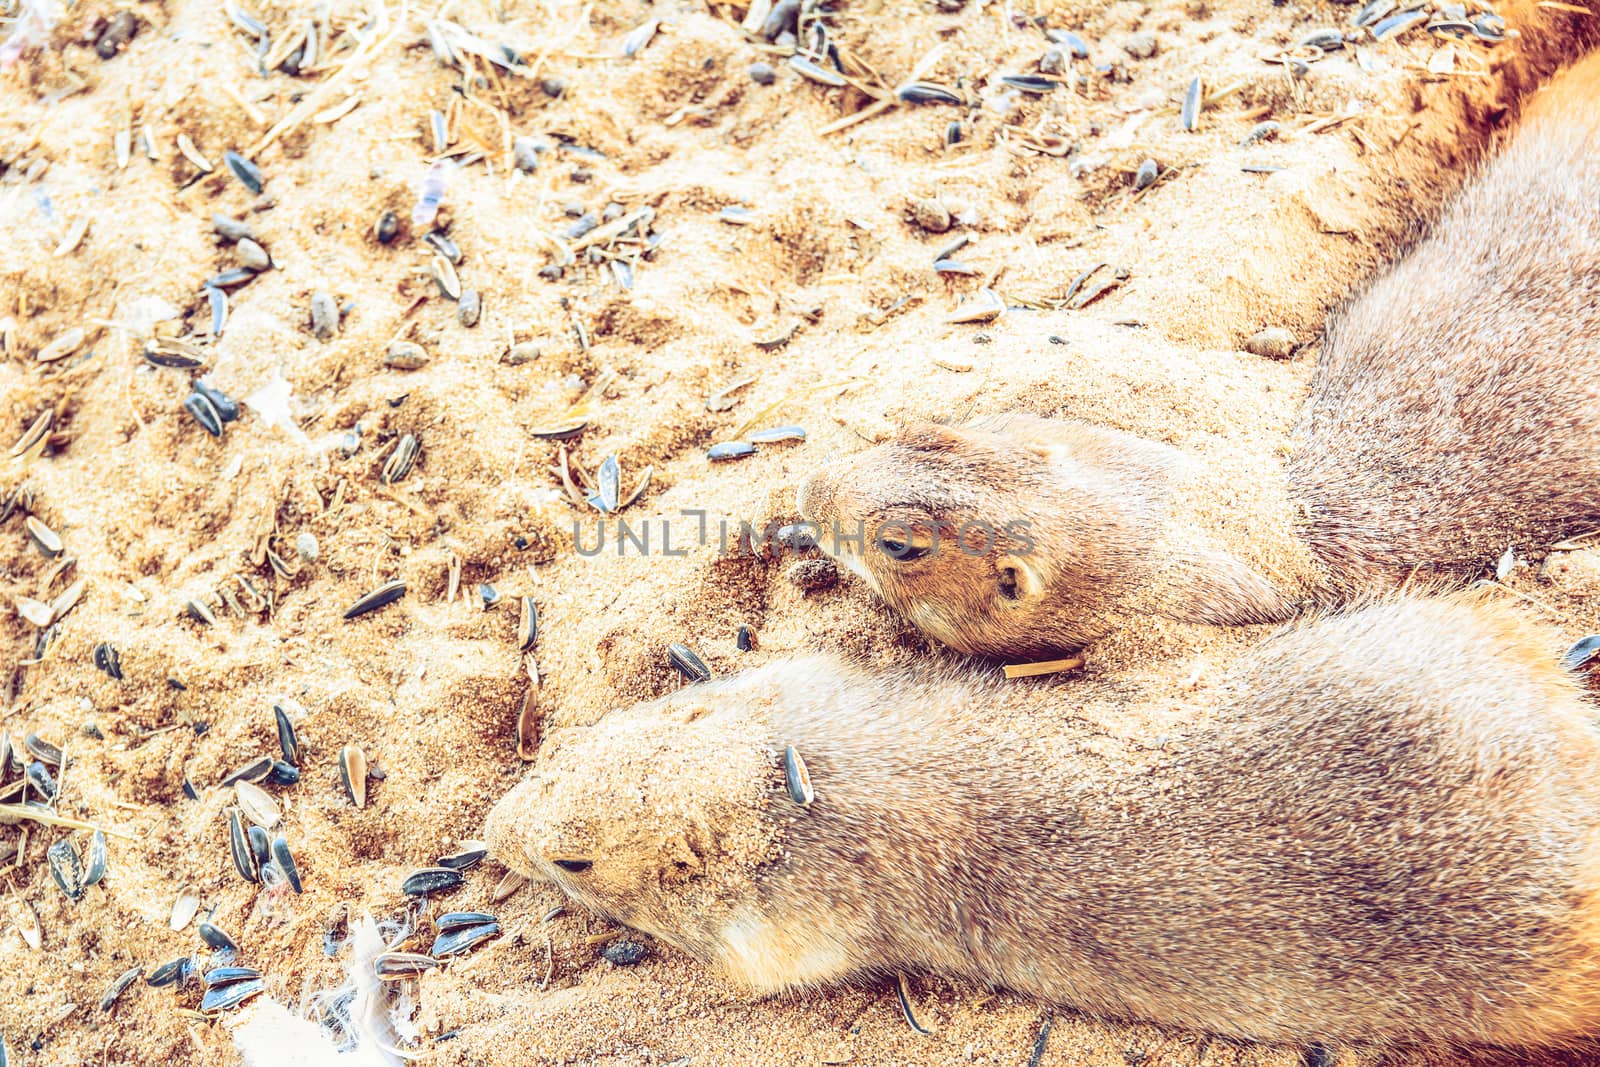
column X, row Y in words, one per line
column 1389, row 831
column 1455, row 410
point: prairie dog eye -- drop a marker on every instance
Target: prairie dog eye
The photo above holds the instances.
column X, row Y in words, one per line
column 904, row 551
column 574, row 866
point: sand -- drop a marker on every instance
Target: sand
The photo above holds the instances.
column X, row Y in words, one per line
column 154, row 512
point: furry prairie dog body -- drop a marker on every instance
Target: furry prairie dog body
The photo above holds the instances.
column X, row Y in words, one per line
column 1454, row 412
column 1389, row 830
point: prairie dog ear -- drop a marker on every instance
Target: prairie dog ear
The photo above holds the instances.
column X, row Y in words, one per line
column 1019, row 580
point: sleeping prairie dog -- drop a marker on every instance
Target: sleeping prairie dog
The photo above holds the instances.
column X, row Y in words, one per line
column 1387, row 829
column 1454, row 412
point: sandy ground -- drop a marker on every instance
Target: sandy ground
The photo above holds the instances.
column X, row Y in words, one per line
column 834, row 255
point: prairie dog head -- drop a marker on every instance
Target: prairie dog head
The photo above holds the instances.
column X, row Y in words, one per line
column 1013, row 534
column 652, row 816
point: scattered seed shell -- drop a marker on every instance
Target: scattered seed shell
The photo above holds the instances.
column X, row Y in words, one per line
column 288, row 740
column 217, row 938
column 528, row 624
column 256, row 804
column 222, row 998
column 431, row 880
column 66, row 867
column 819, row 74
column 170, row 973
column 689, row 665
column 99, row 858
column 1192, row 102
column 462, row 939
column 405, row 355
column 529, row 722
column 285, row 861
column 797, row 777
column 727, row 450
column 221, row 976
column 244, row 860
column 468, row 856
column 120, row 986
column 107, row 659
column 1582, row 654
column 44, row 539
column 393, row 966
column 185, row 908
column 382, row 596
column 63, row 346
column 353, row 774
column 254, row 771
column 401, row 460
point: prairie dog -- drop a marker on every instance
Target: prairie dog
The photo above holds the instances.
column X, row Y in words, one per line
column 1454, row 410
column 1387, row 830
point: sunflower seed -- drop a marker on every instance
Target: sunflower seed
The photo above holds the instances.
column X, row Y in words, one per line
column 1192, row 101
column 34, row 434
column 528, row 624
column 431, row 880
column 529, row 722
column 778, row 434
column 185, row 908
column 285, row 860
column 254, row 771
column 353, row 773
column 231, row 995
column 42, row 750
column 62, row 347
column 1030, row 83
column 173, row 354
column 1261, row 131
column 227, row 408
column 489, row 595
column 610, row 479
column 39, row 777
column 469, row 308
column 929, row 93
column 640, row 36
column 1326, row 39
column 255, row 803
column 746, row 638
column 231, row 229
column 401, row 461
column 252, row 256
column 455, row 920
column 797, row 777
column 98, row 859
column 468, row 856
column 200, row 611
column 201, row 410
column 44, row 539
column 405, row 355
column 393, row 966
column 228, row 279
column 217, row 938
column 120, row 986
column 689, row 665
column 189, row 790
column 106, row 659
column 221, row 976
column 283, row 773
column 444, row 276
column 1396, row 25
column 1147, row 174
column 727, row 450
column 387, row 228
column 192, row 154
column 248, row 173
column 260, row 846
column 508, row 884
column 35, row 612
column 821, row 75
column 173, row 972
column 463, row 939
column 244, row 860
column 986, row 306
column 382, row 596
column 288, row 740
column 66, row 867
